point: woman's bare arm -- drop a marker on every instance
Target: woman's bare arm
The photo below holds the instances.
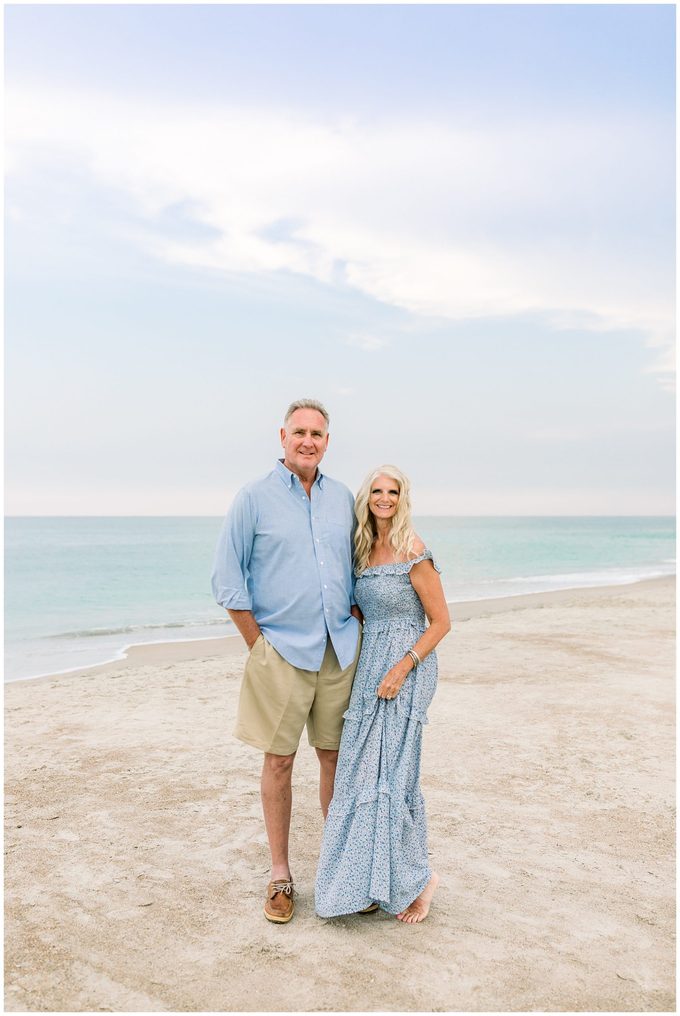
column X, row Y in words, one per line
column 427, row 584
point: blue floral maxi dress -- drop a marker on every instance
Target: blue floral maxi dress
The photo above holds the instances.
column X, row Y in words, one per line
column 375, row 837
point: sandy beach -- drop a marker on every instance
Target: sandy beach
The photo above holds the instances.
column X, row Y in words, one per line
column 136, row 860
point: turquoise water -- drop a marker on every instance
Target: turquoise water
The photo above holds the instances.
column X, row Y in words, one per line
column 79, row 590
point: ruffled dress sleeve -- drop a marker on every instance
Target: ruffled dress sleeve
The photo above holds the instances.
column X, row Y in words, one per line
column 400, row 567
column 425, row 556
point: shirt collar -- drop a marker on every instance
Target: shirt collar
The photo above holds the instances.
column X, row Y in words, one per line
column 290, row 479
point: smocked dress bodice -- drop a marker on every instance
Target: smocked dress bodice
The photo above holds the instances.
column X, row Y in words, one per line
column 386, row 597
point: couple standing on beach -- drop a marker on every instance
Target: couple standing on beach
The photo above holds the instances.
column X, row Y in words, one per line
column 301, row 568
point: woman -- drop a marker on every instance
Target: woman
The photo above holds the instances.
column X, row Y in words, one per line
column 374, row 850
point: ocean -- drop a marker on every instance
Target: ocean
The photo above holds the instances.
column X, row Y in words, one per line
column 78, row 591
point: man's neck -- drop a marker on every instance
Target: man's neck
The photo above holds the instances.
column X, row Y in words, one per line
column 306, row 479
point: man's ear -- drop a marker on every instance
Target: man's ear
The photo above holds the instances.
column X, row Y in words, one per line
column 282, row 435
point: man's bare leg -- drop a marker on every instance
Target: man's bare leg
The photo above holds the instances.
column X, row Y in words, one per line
column 277, row 797
column 328, row 761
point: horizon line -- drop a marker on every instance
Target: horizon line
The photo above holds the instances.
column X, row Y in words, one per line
column 416, row 515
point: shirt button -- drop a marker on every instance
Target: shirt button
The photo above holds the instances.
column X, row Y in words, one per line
column 325, row 587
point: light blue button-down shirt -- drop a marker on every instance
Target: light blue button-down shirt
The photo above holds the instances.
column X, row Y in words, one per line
column 288, row 559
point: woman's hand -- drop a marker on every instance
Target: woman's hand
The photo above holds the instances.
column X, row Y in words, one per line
column 391, row 683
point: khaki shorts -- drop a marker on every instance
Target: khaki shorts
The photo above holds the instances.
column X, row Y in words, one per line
column 278, row 699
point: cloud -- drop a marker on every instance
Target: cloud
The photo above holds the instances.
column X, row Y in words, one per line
column 367, row 343
column 557, row 218
column 663, row 365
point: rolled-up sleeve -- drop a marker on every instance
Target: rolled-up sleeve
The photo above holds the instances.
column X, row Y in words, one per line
column 232, row 557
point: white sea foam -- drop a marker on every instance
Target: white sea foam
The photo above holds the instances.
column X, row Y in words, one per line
column 493, row 589
column 598, row 578
column 129, row 628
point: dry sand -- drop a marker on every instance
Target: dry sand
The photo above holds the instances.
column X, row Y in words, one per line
column 136, row 858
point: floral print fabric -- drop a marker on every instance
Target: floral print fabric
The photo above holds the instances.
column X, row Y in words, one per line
column 375, row 838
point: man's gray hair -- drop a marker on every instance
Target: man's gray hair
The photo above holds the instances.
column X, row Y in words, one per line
column 307, row 404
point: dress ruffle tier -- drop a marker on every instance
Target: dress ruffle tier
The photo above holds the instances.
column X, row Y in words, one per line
column 375, row 837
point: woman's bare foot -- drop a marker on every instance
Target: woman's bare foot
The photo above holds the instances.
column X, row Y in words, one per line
column 420, row 908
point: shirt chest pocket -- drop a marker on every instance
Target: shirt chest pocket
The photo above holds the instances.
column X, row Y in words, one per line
column 333, row 533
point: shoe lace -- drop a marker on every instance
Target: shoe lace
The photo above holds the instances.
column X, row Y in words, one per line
column 283, row 887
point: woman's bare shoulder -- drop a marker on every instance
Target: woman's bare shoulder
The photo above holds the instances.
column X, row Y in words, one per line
column 418, row 546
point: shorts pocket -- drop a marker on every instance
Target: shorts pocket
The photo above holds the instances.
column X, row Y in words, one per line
column 260, row 638
column 265, row 691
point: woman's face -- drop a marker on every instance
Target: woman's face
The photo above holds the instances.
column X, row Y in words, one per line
column 383, row 497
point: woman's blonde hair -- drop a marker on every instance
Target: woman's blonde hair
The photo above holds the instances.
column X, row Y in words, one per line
column 401, row 534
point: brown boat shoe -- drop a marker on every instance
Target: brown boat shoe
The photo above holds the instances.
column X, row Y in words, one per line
column 280, row 905
column 370, row 909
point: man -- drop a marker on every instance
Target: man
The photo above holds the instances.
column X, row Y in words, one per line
column 283, row 571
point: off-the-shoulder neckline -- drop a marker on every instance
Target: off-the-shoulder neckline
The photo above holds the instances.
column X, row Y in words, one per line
column 396, row 564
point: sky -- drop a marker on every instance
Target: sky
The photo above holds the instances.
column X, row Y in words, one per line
column 453, row 224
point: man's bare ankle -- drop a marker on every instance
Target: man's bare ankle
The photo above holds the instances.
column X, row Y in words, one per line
column 279, row 873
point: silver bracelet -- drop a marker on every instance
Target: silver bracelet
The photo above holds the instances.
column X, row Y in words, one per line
column 414, row 657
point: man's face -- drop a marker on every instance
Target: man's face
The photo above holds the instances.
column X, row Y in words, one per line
column 304, row 439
